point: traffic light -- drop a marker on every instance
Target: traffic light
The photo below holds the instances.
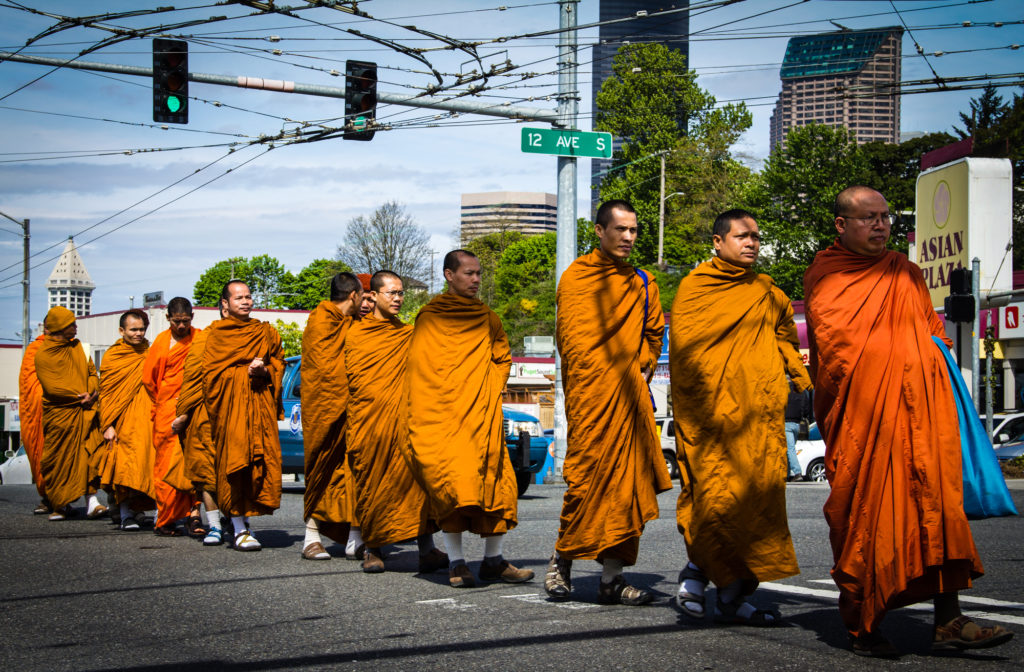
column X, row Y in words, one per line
column 360, row 99
column 960, row 302
column 170, row 81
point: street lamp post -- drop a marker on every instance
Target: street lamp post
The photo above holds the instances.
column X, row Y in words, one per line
column 661, row 216
column 25, row 336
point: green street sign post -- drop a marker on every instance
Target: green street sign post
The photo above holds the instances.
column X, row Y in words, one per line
column 567, row 142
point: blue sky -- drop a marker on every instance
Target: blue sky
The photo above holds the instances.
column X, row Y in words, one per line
column 293, row 202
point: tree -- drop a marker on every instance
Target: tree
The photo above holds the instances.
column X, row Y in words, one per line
column 313, row 283
column 525, row 287
column 388, row 239
column 488, row 249
column 291, row 337
column 268, row 281
column 206, row 291
column 653, row 104
column 792, row 199
column 987, row 110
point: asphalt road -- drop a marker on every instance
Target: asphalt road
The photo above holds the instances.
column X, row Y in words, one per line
column 80, row 595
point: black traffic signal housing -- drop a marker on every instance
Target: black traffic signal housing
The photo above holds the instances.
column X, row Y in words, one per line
column 170, row 81
column 960, row 302
column 360, row 99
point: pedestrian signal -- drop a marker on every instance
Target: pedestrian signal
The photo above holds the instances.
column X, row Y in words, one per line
column 170, row 81
column 360, row 100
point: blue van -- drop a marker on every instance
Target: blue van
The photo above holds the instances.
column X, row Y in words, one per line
column 520, row 429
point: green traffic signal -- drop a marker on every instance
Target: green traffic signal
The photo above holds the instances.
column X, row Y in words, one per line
column 173, row 104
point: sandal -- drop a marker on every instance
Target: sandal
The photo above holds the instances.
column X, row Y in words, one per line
column 728, row 612
column 683, row 597
column 244, row 541
column 963, row 633
column 620, row 592
column 167, row 531
column 873, row 645
column 558, row 578
column 194, row 524
column 42, row 508
column 98, row 512
column 213, row 537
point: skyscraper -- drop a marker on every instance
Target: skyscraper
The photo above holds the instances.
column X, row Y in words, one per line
column 844, row 78
column 529, row 213
column 672, row 30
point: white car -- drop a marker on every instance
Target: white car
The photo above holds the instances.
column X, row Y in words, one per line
column 811, row 454
column 1006, row 428
column 667, row 434
column 16, row 470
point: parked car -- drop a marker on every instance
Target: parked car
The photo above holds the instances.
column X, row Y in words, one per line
column 811, row 454
column 16, row 470
column 1008, row 451
column 667, row 434
column 293, row 454
column 1006, row 428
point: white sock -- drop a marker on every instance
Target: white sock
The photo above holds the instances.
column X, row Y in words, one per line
column 692, row 586
column 355, row 540
column 238, row 522
column 312, row 533
column 453, row 542
column 213, row 518
column 493, row 546
column 425, row 543
column 126, row 511
column 612, row 568
column 91, row 503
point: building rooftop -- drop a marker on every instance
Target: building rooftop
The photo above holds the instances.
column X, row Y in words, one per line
column 835, row 53
column 70, row 270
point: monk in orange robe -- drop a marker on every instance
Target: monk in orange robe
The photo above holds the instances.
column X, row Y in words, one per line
column 458, row 363
column 193, row 429
column 163, row 373
column 886, row 410
column 329, row 500
column 70, row 461
column 243, row 365
column 30, row 408
column 391, row 505
column 126, row 416
column 609, row 330
column 732, row 343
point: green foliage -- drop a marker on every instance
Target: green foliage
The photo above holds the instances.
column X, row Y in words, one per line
column 313, row 283
column 266, row 276
column 414, row 300
column 668, row 284
column 291, row 337
column 792, row 199
column 586, row 239
column 525, row 288
column 652, row 103
column 488, row 250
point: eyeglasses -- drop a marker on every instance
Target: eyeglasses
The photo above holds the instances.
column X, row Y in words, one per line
column 880, row 217
column 397, row 292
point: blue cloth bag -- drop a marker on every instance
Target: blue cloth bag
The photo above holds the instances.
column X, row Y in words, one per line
column 985, row 492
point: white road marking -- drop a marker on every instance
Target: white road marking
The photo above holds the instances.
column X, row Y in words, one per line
column 983, row 615
column 449, row 603
column 964, row 597
column 537, row 598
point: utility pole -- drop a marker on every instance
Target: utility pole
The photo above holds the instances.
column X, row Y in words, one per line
column 661, row 217
column 25, row 335
column 565, row 252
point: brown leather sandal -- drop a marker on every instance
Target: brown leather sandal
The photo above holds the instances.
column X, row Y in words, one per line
column 963, row 633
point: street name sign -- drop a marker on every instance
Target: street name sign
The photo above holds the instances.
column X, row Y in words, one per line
column 567, row 142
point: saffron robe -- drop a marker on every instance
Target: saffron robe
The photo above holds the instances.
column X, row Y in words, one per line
column 196, row 440
column 886, row 411
column 244, row 411
column 329, row 496
column 458, row 363
column 125, row 405
column 731, row 343
column 30, row 408
column 163, row 373
column 390, row 504
column 71, row 455
column 614, row 467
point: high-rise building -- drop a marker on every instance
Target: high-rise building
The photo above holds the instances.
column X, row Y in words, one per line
column 527, row 212
column 672, row 30
column 845, row 78
column 69, row 284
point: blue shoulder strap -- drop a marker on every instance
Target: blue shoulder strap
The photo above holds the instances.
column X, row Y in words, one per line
column 643, row 325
